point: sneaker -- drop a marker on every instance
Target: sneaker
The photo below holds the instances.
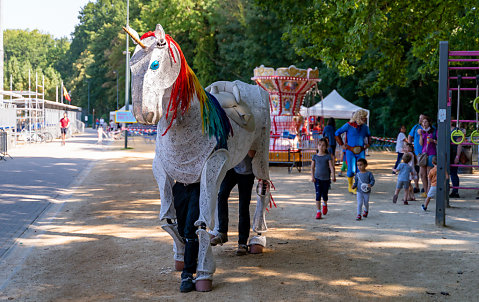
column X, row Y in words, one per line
column 241, row 250
column 423, row 207
column 219, row 239
column 187, row 284
column 365, row 214
column 406, row 203
column 416, row 190
column 454, row 195
column 358, row 217
column 422, row 190
column 423, row 195
column 395, row 198
column 318, row 215
column 325, row 209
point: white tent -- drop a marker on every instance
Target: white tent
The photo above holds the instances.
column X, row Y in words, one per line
column 334, row 105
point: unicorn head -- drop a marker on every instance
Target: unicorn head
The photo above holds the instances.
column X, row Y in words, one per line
column 155, row 66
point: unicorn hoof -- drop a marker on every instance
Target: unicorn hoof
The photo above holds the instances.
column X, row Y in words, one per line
column 256, row 249
column 204, row 285
column 179, row 265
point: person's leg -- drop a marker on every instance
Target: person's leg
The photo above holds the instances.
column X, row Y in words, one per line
column 406, row 192
column 245, row 185
column 396, row 193
column 416, row 180
column 423, row 174
column 317, row 187
column 351, row 161
column 325, row 185
column 191, row 245
column 398, row 159
column 360, row 201
column 180, row 201
column 366, row 204
column 227, row 185
column 455, row 182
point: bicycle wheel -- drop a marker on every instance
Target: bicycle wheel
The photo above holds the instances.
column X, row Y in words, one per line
column 37, row 138
column 48, row 137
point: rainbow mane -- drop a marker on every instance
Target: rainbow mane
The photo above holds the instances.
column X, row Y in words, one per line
column 214, row 119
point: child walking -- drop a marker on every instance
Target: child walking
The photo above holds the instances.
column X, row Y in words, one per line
column 322, row 168
column 404, row 171
column 432, row 178
column 363, row 180
column 409, row 149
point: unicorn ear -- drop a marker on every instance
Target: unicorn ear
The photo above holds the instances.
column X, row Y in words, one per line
column 159, row 32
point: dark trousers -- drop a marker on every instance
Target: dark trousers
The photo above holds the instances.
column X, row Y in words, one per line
column 322, row 188
column 398, row 160
column 245, row 185
column 187, row 205
column 454, row 179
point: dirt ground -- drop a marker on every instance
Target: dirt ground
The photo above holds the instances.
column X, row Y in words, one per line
column 103, row 242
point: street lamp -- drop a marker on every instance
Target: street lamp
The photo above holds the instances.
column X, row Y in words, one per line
column 116, row 72
column 88, row 111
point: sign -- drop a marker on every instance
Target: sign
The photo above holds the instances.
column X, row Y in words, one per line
column 124, row 117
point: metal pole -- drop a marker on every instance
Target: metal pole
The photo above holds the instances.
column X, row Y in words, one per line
column 1, row 50
column 127, row 73
column 443, row 142
column 117, row 107
column 88, row 110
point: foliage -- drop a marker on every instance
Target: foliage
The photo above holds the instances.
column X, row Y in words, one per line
column 34, row 52
column 381, row 55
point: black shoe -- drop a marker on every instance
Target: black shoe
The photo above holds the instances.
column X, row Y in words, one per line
column 416, row 190
column 422, row 190
column 454, row 195
column 187, row 284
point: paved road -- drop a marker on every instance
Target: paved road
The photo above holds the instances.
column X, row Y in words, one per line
column 37, row 174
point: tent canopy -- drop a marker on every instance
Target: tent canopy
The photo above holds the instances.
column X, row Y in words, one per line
column 334, row 105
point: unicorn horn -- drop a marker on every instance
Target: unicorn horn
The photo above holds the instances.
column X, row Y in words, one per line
column 134, row 35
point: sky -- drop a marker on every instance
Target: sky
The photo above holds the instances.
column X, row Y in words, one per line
column 54, row 17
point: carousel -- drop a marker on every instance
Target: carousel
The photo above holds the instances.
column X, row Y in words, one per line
column 287, row 88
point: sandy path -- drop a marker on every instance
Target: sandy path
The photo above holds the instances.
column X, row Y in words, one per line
column 105, row 244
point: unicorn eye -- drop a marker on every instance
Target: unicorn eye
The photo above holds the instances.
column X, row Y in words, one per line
column 155, row 65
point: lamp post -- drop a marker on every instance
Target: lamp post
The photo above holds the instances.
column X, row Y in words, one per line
column 116, row 72
column 127, row 73
column 88, row 111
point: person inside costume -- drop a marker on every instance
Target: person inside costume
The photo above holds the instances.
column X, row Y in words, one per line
column 356, row 132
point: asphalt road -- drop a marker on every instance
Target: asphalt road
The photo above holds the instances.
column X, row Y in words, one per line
column 36, row 176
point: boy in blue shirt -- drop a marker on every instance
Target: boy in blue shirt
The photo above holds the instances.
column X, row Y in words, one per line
column 404, row 170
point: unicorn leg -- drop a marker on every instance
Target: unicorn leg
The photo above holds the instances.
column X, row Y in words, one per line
column 211, row 177
column 178, row 244
column 258, row 242
column 168, row 212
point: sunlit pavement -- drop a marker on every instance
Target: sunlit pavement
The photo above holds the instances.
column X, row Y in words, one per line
column 38, row 174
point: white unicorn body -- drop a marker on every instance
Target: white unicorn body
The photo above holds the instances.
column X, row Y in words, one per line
column 184, row 151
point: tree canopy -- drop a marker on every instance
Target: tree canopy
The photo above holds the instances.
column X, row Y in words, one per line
column 381, row 55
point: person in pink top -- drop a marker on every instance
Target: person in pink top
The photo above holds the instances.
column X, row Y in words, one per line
column 428, row 141
column 64, row 124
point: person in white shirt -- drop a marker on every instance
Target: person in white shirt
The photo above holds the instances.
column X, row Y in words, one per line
column 401, row 139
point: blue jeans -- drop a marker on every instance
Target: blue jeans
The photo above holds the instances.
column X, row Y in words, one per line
column 398, row 160
column 186, row 199
column 245, row 185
